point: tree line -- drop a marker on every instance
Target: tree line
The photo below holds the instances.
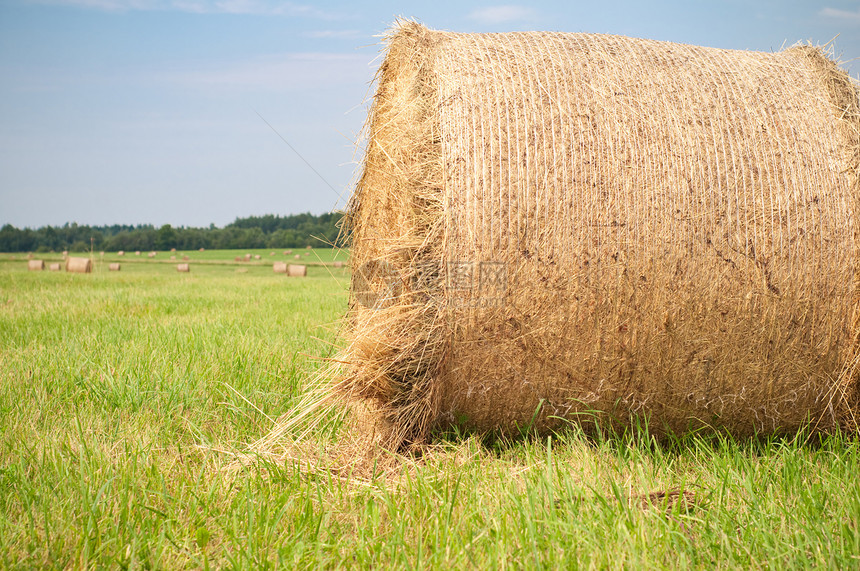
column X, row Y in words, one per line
column 269, row 231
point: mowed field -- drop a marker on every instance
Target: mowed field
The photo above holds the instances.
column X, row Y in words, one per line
column 124, row 394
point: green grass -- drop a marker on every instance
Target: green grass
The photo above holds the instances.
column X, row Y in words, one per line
column 115, row 389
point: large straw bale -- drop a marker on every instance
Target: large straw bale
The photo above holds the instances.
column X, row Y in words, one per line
column 280, row 267
column 36, row 265
column 553, row 227
column 114, row 267
column 54, row 267
column 79, row 265
column 297, row 270
column 183, row 268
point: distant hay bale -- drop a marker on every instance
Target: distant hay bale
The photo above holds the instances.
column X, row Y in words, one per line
column 297, row 271
column 558, row 227
column 307, row 253
column 120, row 253
column 30, row 256
column 338, row 264
column 172, row 249
column 152, row 254
column 239, row 259
column 257, row 256
column 201, row 249
column 280, row 267
column 137, row 253
column 65, row 252
column 54, row 267
column 271, row 253
column 36, row 265
column 101, row 254
column 183, row 268
column 308, row 247
column 247, row 257
column 186, row 258
column 297, row 257
column 172, row 257
column 79, row 265
column 288, row 253
column 114, row 267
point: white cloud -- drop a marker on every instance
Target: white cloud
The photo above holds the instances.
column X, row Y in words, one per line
column 261, row 7
column 845, row 15
column 288, row 72
column 335, row 34
column 502, row 14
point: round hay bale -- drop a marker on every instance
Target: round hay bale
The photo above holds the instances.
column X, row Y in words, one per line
column 247, row 257
column 120, row 253
column 239, row 259
column 307, row 253
column 172, row 249
column 151, row 254
column 183, row 268
column 201, row 249
column 30, row 256
column 79, row 265
column 36, row 265
column 297, row 257
column 114, row 267
column 257, row 256
column 54, row 267
column 185, row 258
column 297, row 271
column 288, row 253
column 271, row 253
column 65, row 252
column 280, row 267
column 172, row 257
column 559, row 227
column 137, row 253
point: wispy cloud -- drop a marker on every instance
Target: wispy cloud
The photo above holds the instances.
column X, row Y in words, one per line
column 259, row 7
column 288, row 72
column 333, row 34
column 502, row 14
column 845, row 15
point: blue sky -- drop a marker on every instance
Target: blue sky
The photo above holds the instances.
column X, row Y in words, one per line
column 149, row 111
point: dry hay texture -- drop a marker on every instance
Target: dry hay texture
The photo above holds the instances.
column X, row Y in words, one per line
column 280, row 267
column 36, row 265
column 79, row 265
column 114, row 267
column 552, row 226
column 297, row 271
column 183, row 268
